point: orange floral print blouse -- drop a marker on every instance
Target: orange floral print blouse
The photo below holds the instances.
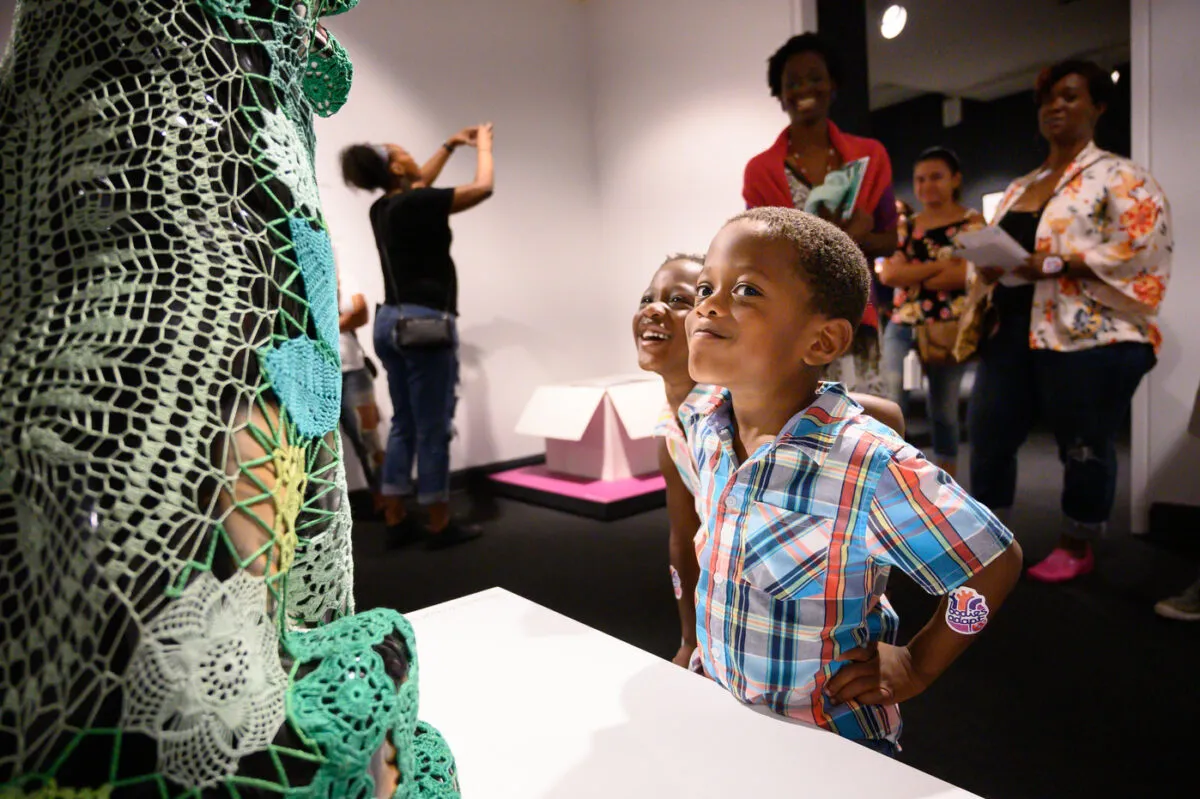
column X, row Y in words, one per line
column 1113, row 213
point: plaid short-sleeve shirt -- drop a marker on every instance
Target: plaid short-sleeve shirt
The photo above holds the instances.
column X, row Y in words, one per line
column 671, row 433
column 800, row 540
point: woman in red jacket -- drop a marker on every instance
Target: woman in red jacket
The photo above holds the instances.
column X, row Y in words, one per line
column 803, row 75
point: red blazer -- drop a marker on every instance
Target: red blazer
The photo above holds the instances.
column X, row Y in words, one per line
column 765, row 181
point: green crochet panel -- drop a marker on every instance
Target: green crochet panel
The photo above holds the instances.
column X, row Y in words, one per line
column 174, row 528
column 350, row 703
column 436, row 775
column 328, row 77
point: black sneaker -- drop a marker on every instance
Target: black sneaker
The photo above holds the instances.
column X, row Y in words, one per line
column 408, row 531
column 452, row 535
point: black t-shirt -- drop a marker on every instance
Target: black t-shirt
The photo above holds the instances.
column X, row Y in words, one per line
column 1015, row 303
column 1022, row 226
column 412, row 232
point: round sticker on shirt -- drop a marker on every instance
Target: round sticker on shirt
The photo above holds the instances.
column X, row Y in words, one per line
column 677, row 583
column 967, row 612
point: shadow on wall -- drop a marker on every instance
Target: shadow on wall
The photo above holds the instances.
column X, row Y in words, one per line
column 474, row 419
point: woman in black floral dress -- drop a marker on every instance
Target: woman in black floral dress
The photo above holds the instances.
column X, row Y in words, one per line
column 929, row 287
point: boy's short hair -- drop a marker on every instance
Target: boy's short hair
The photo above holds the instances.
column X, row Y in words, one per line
column 683, row 256
column 828, row 259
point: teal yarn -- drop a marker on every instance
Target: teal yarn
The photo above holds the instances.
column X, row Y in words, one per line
column 314, row 252
column 237, row 9
column 307, row 377
column 349, row 703
column 436, row 776
column 331, row 8
column 328, row 77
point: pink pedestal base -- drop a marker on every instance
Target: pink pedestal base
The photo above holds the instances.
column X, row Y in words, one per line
column 598, row 499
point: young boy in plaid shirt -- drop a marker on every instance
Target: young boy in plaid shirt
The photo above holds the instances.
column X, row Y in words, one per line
column 807, row 503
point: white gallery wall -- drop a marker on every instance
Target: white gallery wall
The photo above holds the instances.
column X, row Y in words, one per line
column 621, row 131
column 1166, row 460
column 681, row 103
column 530, row 294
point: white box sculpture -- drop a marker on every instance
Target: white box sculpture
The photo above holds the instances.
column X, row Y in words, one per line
column 599, row 429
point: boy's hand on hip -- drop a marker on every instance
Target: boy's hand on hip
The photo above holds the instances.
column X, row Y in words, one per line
column 878, row 674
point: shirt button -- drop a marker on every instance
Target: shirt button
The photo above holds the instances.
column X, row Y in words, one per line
column 715, row 651
column 718, row 577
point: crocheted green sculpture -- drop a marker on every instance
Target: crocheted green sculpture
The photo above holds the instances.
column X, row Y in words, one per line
column 175, row 566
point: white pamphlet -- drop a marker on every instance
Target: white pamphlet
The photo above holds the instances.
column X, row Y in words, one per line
column 990, row 247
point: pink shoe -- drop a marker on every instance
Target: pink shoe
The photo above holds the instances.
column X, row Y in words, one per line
column 1061, row 566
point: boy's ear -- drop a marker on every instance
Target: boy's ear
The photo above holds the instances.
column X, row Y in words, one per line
column 831, row 341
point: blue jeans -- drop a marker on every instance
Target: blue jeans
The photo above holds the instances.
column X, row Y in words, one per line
column 421, row 383
column 945, row 383
column 1084, row 396
column 359, row 421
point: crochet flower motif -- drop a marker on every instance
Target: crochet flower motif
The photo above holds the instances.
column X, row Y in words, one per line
column 287, row 154
column 206, row 682
column 327, row 77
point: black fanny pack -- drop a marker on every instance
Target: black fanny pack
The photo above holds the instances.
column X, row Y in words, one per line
column 424, row 332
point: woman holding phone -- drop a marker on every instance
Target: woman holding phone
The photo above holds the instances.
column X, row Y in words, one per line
column 416, row 334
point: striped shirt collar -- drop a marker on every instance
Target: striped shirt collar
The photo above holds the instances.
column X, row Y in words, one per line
column 811, row 432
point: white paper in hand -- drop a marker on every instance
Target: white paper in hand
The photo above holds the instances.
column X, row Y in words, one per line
column 990, row 247
column 993, row 247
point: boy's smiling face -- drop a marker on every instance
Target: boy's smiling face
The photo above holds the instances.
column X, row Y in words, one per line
column 754, row 326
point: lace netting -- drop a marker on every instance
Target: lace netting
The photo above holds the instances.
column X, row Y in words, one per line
column 172, row 499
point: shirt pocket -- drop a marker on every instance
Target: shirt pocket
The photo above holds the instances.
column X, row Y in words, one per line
column 784, row 552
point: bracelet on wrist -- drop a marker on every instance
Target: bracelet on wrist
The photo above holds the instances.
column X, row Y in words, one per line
column 449, row 147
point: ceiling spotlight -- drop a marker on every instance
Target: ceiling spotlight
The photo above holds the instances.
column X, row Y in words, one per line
column 1116, row 75
column 893, row 21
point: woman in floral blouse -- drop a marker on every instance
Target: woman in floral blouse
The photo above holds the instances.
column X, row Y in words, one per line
column 929, row 283
column 1074, row 331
